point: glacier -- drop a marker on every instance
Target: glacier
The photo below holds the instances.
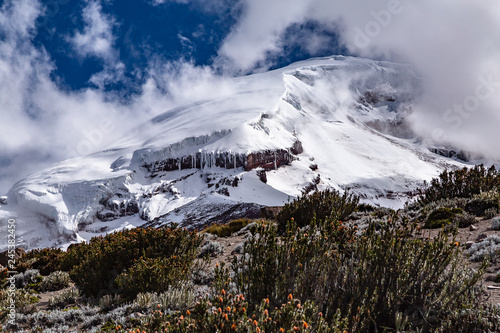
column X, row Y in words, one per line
column 335, row 122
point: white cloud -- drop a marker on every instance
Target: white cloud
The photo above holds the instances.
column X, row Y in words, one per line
column 43, row 124
column 259, row 29
column 450, row 43
column 97, row 38
column 212, row 6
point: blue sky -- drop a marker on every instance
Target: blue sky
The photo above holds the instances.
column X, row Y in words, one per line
column 135, row 33
column 67, row 65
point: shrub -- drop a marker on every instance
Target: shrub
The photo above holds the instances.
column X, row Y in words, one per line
column 66, row 320
column 66, row 297
column 109, row 301
column 477, row 319
column 490, row 213
column 239, row 248
column 23, row 301
column 464, row 220
column 97, row 264
column 224, row 312
column 45, row 260
column 364, row 207
column 478, row 206
column 495, row 223
column 180, row 298
column 30, row 278
column 441, row 217
column 226, row 230
column 488, row 248
column 211, row 248
column 424, row 211
column 153, row 274
column 383, row 212
column 55, row 281
column 374, row 278
column 463, row 183
column 201, row 272
column 323, row 206
column 271, row 265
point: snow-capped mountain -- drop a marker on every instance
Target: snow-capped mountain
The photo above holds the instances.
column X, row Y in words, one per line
column 330, row 122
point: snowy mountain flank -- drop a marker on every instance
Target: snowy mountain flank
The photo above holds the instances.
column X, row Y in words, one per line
column 331, row 122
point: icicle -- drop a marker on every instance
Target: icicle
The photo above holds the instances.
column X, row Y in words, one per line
column 275, row 167
column 180, row 162
column 234, row 160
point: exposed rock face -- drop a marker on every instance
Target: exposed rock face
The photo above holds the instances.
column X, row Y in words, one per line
column 262, row 175
column 199, row 160
column 267, row 159
column 451, row 153
column 372, row 97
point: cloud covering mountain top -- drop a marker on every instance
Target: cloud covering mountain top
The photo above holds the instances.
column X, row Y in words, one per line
column 69, row 68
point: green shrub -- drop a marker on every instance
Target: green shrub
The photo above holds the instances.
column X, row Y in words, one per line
column 178, row 298
column 108, row 302
column 45, row 260
column 55, row 281
column 463, row 183
column 441, row 217
column 96, row 265
column 323, row 206
column 226, row 230
column 363, row 207
column 65, row 298
column 383, row 212
column 23, row 301
column 476, row 319
column 464, row 220
column 374, row 279
column 211, row 248
column 153, row 274
column 29, row 279
column 490, row 213
column 226, row 313
column 270, row 265
column 478, row 206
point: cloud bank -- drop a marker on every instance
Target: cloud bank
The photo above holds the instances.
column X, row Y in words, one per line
column 43, row 123
column 454, row 45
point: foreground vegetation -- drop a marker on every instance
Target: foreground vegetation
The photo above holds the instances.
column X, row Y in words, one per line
column 327, row 264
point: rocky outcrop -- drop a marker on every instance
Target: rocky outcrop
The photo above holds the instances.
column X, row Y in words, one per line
column 200, row 160
column 372, row 97
column 267, row 159
column 451, row 153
